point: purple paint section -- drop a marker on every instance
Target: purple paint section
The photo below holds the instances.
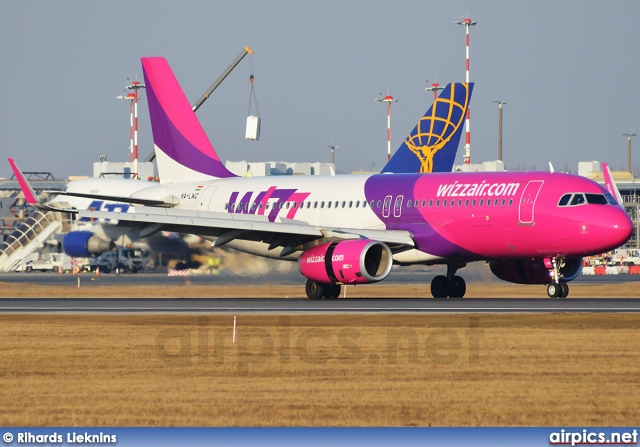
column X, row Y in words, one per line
column 428, row 238
column 245, row 202
column 176, row 129
column 257, row 202
column 282, row 195
column 248, row 206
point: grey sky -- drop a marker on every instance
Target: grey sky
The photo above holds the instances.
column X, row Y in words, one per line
column 568, row 71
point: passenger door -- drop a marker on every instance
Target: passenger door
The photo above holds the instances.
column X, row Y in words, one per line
column 386, row 207
column 527, row 202
column 397, row 208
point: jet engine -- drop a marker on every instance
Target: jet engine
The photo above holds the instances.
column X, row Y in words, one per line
column 534, row 271
column 82, row 244
column 347, row 262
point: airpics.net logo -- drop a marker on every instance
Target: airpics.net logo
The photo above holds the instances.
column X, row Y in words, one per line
column 591, row 437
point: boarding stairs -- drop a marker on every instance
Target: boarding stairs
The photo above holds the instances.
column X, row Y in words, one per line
column 29, row 236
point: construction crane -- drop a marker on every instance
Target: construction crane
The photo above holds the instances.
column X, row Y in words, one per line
column 214, row 86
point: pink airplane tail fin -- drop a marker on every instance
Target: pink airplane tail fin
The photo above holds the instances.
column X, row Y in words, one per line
column 183, row 151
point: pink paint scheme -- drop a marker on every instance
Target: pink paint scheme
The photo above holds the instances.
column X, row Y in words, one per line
column 352, row 262
column 610, row 184
column 172, row 100
column 29, row 195
column 527, row 220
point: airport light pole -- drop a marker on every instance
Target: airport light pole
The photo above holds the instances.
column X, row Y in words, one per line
column 434, row 88
column 467, row 22
column 388, row 99
column 131, row 98
column 333, row 149
column 500, row 104
column 135, row 86
column 629, row 135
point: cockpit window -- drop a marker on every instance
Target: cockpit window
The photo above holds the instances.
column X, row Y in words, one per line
column 596, row 199
column 578, row 199
column 564, row 200
column 590, row 198
column 611, row 199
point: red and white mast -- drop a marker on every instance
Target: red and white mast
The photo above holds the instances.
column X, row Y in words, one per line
column 133, row 128
column 135, row 86
column 467, row 22
column 131, row 98
column 388, row 99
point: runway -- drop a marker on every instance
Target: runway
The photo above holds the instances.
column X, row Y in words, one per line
column 306, row 306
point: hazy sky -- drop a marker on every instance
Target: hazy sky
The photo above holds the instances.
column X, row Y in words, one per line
column 568, row 70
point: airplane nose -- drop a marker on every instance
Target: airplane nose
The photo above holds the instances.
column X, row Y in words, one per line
column 609, row 228
column 622, row 227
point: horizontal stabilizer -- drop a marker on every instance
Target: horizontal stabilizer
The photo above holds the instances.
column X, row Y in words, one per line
column 168, row 202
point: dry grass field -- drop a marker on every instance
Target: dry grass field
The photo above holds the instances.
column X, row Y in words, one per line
column 323, row 370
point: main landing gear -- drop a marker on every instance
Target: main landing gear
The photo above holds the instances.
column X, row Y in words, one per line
column 557, row 288
column 450, row 286
column 317, row 291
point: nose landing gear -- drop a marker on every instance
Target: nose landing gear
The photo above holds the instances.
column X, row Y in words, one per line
column 557, row 288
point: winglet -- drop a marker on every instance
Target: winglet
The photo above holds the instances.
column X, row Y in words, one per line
column 610, row 184
column 29, row 194
column 551, row 168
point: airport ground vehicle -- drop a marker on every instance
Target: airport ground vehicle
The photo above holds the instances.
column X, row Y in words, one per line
column 120, row 260
column 48, row 262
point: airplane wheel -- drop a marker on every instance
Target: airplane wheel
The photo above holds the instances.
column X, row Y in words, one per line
column 332, row 291
column 314, row 290
column 458, row 287
column 440, row 287
column 564, row 290
column 554, row 290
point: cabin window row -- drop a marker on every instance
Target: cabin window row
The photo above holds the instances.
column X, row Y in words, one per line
column 459, row 202
column 373, row 204
column 288, row 205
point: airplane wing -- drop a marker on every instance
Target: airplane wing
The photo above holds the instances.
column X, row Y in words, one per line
column 287, row 233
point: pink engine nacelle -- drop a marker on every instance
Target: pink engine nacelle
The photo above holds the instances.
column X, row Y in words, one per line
column 347, row 262
column 533, row 271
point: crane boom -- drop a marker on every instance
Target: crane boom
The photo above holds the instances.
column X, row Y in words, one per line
column 215, row 85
